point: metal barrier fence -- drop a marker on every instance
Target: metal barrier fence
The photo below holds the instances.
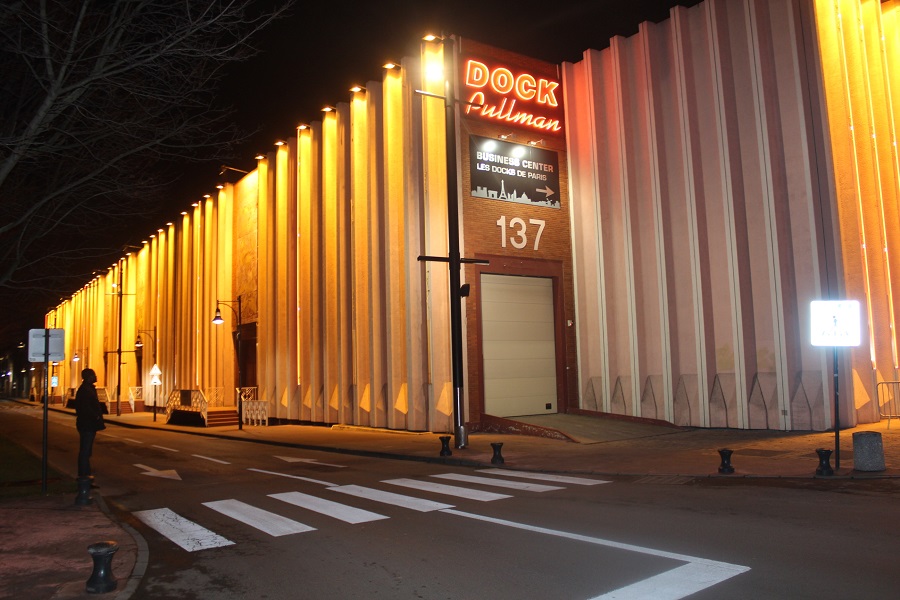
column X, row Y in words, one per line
column 888, row 395
column 255, row 412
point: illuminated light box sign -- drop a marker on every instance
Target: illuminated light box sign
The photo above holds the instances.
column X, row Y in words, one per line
column 834, row 323
column 511, row 97
column 513, row 172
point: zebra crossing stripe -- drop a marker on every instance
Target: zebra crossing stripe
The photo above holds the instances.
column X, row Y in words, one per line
column 513, row 485
column 348, row 514
column 449, row 490
column 419, row 504
column 185, row 533
column 544, row 477
column 265, row 521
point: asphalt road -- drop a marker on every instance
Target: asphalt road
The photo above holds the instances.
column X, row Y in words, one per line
column 226, row 519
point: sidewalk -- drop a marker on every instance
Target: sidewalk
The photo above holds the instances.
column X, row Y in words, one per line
column 44, row 540
column 609, row 447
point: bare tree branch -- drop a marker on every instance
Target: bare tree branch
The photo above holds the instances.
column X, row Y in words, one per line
column 97, row 98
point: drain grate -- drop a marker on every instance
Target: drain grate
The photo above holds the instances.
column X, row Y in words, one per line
column 665, row 479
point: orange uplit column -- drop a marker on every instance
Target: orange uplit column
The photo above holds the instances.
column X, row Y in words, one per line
column 437, row 68
column 309, row 332
column 859, row 107
column 361, row 258
column 400, row 338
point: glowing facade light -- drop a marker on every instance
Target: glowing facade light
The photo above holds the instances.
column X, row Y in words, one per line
column 327, row 109
column 430, row 37
column 357, row 88
column 260, row 157
column 218, row 320
column 391, row 65
column 280, row 142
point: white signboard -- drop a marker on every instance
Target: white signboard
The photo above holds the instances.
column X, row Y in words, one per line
column 36, row 345
column 834, row 323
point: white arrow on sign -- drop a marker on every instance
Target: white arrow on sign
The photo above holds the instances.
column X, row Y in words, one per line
column 167, row 474
column 292, row 459
column 546, row 191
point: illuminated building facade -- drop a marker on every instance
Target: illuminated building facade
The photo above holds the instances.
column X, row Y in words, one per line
column 651, row 222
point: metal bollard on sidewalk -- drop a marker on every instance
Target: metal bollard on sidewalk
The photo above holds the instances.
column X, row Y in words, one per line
column 725, row 467
column 101, row 580
column 824, row 468
column 497, row 458
column 84, row 491
column 445, row 445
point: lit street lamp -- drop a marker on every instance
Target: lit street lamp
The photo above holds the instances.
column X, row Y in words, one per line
column 218, row 320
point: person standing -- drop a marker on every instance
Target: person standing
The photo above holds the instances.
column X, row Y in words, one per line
column 88, row 420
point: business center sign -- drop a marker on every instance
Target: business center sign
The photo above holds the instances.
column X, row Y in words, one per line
column 513, row 172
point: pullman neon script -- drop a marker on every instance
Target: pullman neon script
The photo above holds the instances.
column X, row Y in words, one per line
column 511, row 88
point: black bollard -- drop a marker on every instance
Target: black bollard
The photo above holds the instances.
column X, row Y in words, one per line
column 84, row 491
column 824, row 468
column 102, row 580
column 497, row 458
column 725, row 468
column 445, row 445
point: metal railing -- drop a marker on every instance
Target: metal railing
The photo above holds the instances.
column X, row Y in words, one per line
column 189, row 400
column 889, row 408
column 103, row 396
column 215, row 396
column 135, row 394
column 255, row 412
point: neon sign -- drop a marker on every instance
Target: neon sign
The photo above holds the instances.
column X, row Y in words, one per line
column 495, row 93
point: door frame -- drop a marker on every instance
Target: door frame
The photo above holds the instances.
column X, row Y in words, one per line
column 521, row 267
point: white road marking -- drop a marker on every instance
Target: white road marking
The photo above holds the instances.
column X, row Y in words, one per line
column 164, row 448
column 348, row 514
column 185, row 533
column 133, row 440
column 312, row 461
column 698, row 574
column 514, row 485
column 222, row 462
column 293, row 477
column 166, row 474
column 544, row 477
column 449, row 490
column 675, row 584
column 268, row 522
column 419, row 504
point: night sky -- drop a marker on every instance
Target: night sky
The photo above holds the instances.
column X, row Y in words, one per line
column 312, row 57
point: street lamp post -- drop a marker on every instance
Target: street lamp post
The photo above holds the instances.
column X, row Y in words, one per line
column 454, row 258
column 138, row 344
column 218, row 320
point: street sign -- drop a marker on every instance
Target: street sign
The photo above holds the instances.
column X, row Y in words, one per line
column 37, row 340
column 834, row 323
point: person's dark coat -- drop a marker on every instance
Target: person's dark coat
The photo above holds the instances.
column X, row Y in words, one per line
column 88, row 409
